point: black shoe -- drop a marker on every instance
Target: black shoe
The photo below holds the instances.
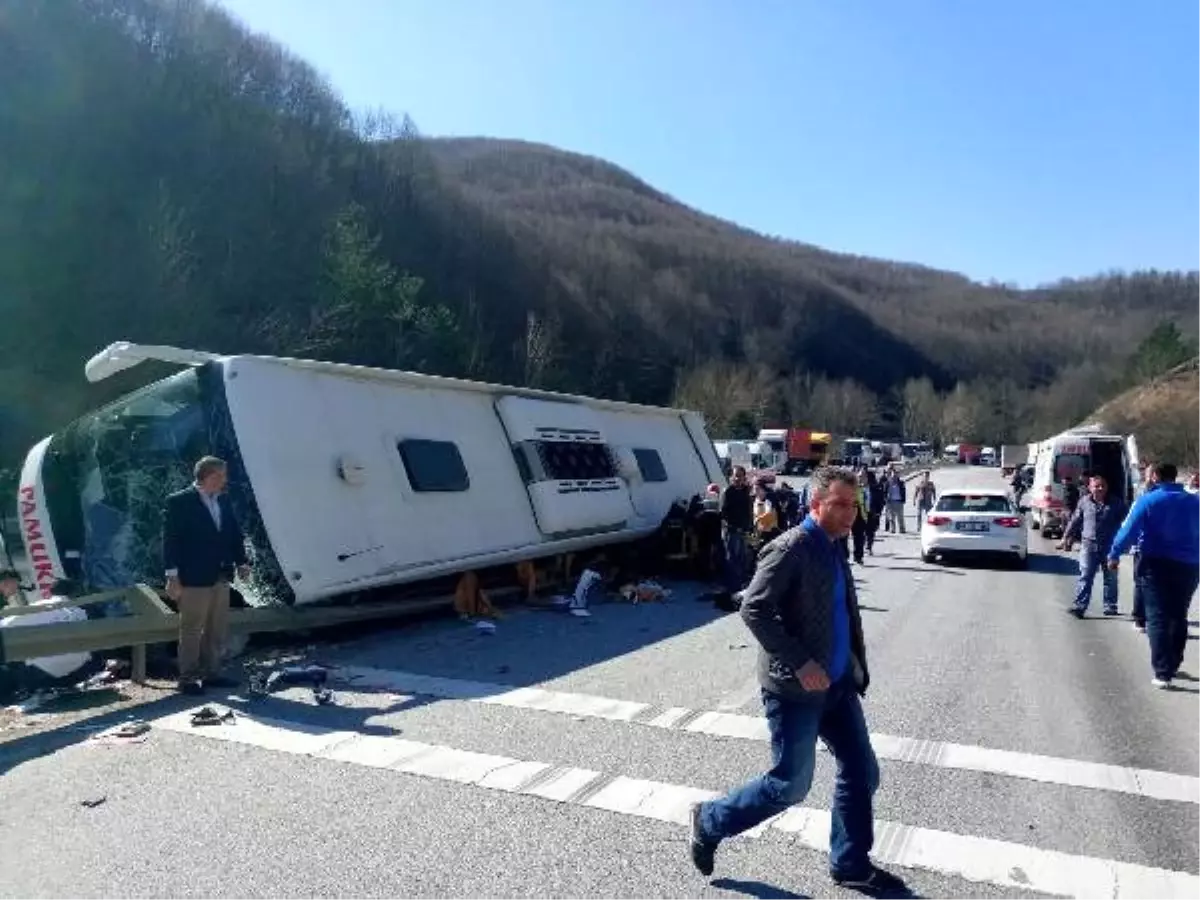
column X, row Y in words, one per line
column 874, row 883
column 220, row 681
column 1112, row 612
column 703, row 850
column 1075, row 611
column 189, row 686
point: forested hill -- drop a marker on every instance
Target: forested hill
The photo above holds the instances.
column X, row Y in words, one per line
column 167, row 177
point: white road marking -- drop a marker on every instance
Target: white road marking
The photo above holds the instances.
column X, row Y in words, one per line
column 978, row 859
column 1013, row 764
column 669, row 717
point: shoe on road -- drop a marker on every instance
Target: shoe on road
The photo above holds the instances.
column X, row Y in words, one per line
column 874, row 883
column 1161, row 683
column 703, row 850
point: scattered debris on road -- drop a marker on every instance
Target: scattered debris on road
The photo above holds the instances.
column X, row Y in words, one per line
column 209, row 716
column 131, row 731
column 314, row 675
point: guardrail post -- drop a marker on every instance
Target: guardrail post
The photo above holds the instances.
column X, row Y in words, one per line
column 137, row 664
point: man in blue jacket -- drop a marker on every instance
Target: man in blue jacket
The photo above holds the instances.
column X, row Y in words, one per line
column 802, row 608
column 1167, row 521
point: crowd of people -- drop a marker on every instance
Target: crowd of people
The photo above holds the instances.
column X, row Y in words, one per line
column 753, row 512
column 812, row 660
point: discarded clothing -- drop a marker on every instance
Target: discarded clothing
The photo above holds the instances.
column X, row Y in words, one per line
column 644, row 592
column 590, row 582
column 209, row 716
column 313, row 675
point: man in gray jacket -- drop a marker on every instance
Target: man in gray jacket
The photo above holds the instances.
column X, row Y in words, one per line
column 802, row 609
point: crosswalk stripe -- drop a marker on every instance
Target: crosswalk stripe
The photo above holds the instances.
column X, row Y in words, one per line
column 977, row 859
column 1010, row 763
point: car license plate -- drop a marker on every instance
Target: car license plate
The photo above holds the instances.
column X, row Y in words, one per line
column 971, row 526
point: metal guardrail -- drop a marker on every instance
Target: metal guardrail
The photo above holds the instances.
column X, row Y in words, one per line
column 150, row 617
column 154, row 622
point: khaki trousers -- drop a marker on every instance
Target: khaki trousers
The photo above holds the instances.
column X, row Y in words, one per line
column 203, row 623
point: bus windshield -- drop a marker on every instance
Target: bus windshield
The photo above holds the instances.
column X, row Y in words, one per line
column 106, row 474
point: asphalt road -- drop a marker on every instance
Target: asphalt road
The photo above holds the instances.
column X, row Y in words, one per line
column 1023, row 753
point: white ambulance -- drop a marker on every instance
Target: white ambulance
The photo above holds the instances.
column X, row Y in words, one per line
column 1071, row 457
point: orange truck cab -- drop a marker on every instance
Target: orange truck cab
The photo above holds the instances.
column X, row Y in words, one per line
column 795, row 451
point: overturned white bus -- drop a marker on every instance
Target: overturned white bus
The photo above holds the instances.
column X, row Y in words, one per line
column 348, row 478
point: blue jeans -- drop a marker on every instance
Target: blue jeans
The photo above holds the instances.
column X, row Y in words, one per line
column 1091, row 559
column 1139, row 602
column 737, row 556
column 836, row 717
column 1167, row 589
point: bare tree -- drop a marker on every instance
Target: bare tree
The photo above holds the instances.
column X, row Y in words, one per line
column 922, row 417
column 842, row 407
column 725, row 394
column 964, row 415
column 541, row 348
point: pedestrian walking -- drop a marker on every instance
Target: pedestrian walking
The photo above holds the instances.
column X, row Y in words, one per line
column 924, row 497
column 1094, row 524
column 1167, row 521
column 858, row 531
column 896, row 496
column 802, row 609
column 876, row 501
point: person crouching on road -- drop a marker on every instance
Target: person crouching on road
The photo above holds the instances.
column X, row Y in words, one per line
column 1094, row 524
column 802, row 609
column 1167, row 521
column 10, row 588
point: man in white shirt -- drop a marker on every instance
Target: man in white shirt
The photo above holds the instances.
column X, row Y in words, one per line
column 203, row 546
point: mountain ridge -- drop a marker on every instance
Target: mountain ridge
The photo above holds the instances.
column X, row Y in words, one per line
column 224, row 196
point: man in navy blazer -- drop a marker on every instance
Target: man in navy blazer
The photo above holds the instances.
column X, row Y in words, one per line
column 202, row 546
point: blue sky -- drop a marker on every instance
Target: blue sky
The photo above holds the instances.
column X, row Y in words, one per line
column 1022, row 141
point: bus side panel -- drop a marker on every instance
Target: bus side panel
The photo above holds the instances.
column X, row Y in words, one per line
column 323, row 452
column 267, row 586
column 686, row 472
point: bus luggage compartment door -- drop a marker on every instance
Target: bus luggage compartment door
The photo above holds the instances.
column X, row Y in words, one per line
column 566, row 463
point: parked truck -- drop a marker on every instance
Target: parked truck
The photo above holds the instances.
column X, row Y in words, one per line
column 1012, row 456
column 794, row 451
column 968, row 454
